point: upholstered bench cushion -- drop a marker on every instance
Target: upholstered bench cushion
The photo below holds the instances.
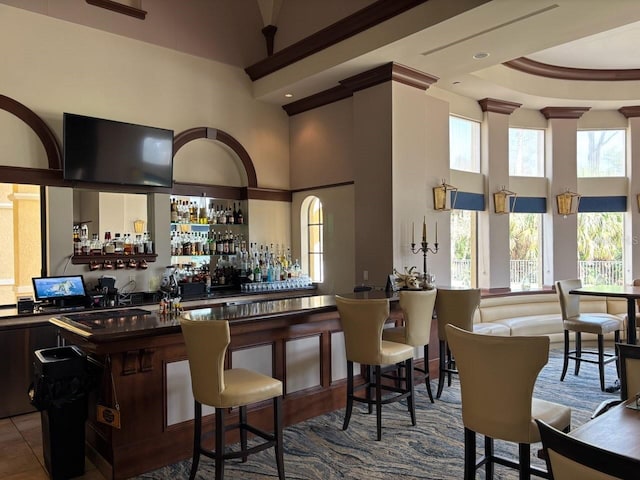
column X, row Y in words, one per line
column 492, row 328
column 534, row 324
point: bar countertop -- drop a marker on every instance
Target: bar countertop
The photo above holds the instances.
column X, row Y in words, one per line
column 109, row 326
column 114, row 325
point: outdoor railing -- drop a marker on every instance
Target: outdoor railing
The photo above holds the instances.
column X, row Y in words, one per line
column 525, row 274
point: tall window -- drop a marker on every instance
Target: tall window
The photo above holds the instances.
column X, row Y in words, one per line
column 313, row 238
column 600, row 241
column 525, row 240
column 20, row 242
column 526, row 152
column 463, row 248
column 464, row 144
column 601, row 153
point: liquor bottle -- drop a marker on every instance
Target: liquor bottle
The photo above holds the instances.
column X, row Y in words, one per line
column 175, row 218
column 118, row 245
column 148, row 243
column 108, row 247
column 240, row 217
column 77, row 244
column 235, row 213
column 96, row 246
column 229, row 214
column 222, row 216
column 127, row 244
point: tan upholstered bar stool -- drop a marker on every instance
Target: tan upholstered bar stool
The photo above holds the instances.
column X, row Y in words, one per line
column 497, row 376
column 417, row 310
column 207, row 342
column 362, row 323
column 455, row 307
column 574, row 321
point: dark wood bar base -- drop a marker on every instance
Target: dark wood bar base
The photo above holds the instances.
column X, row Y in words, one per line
column 139, row 362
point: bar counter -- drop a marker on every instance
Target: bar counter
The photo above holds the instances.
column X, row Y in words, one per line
column 297, row 340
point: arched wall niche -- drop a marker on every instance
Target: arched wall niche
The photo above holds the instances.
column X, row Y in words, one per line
column 41, row 129
column 236, row 147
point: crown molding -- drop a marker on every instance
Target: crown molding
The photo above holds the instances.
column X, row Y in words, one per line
column 498, row 106
column 631, row 111
column 540, row 69
column 362, row 20
column 384, row 73
column 564, row 112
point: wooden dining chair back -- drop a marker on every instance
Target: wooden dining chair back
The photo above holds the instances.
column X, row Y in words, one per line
column 629, row 358
column 362, row 322
column 206, row 343
column 417, row 312
column 598, row 324
column 496, row 383
column 569, row 458
column 456, row 307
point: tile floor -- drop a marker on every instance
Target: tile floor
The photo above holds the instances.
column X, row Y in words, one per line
column 21, row 450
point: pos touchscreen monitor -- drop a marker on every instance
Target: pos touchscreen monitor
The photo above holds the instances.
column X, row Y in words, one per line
column 62, row 291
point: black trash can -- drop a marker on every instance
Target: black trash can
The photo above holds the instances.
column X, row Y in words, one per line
column 59, row 391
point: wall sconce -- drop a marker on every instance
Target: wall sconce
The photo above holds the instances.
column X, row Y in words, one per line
column 568, row 203
column 442, row 198
column 502, row 201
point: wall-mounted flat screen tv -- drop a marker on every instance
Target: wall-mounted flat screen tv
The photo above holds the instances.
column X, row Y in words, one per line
column 107, row 151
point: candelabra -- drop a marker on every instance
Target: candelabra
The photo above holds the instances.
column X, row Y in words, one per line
column 427, row 279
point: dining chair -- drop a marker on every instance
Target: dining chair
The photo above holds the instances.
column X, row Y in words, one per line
column 598, row 324
column 417, row 311
column 629, row 360
column 207, row 342
column 455, row 307
column 497, row 377
column 362, row 322
column 569, row 458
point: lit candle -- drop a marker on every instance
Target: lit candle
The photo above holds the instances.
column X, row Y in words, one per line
column 436, row 232
column 413, row 233
column 424, row 229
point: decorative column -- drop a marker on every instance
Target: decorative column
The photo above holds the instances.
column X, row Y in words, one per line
column 493, row 228
column 560, row 233
column 632, row 231
column 399, row 156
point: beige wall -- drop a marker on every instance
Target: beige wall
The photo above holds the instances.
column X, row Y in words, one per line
column 72, row 68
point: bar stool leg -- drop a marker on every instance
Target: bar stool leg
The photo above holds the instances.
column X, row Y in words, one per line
column 347, row 413
column 277, row 425
column 243, row 431
column 441, row 367
column 378, row 402
column 565, row 364
column 197, row 432
column 411, row 398
column 427, row 378
column 219, row 454
column 578, row 352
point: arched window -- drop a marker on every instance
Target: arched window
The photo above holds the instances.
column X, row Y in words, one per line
column 311, row 220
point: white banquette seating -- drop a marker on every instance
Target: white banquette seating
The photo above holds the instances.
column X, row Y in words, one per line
column 536, row 314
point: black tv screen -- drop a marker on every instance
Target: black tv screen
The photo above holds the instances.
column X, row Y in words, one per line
column 107, row 151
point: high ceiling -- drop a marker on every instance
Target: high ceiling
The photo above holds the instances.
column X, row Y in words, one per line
column 437, row 37
column 587, row 34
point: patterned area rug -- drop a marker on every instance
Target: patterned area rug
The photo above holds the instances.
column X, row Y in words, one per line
column 319, row 449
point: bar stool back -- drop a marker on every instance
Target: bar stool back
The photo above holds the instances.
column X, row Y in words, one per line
column 207, row 342
column 417, row 310
column 456, row 307
column 362, row 323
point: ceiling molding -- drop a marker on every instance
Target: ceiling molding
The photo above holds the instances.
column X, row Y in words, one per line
column 384, row 73
column 498, row 106
column 631, row 111
column 360, row 21
column 540, row 69
column 564, row 112
column 119, row 8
